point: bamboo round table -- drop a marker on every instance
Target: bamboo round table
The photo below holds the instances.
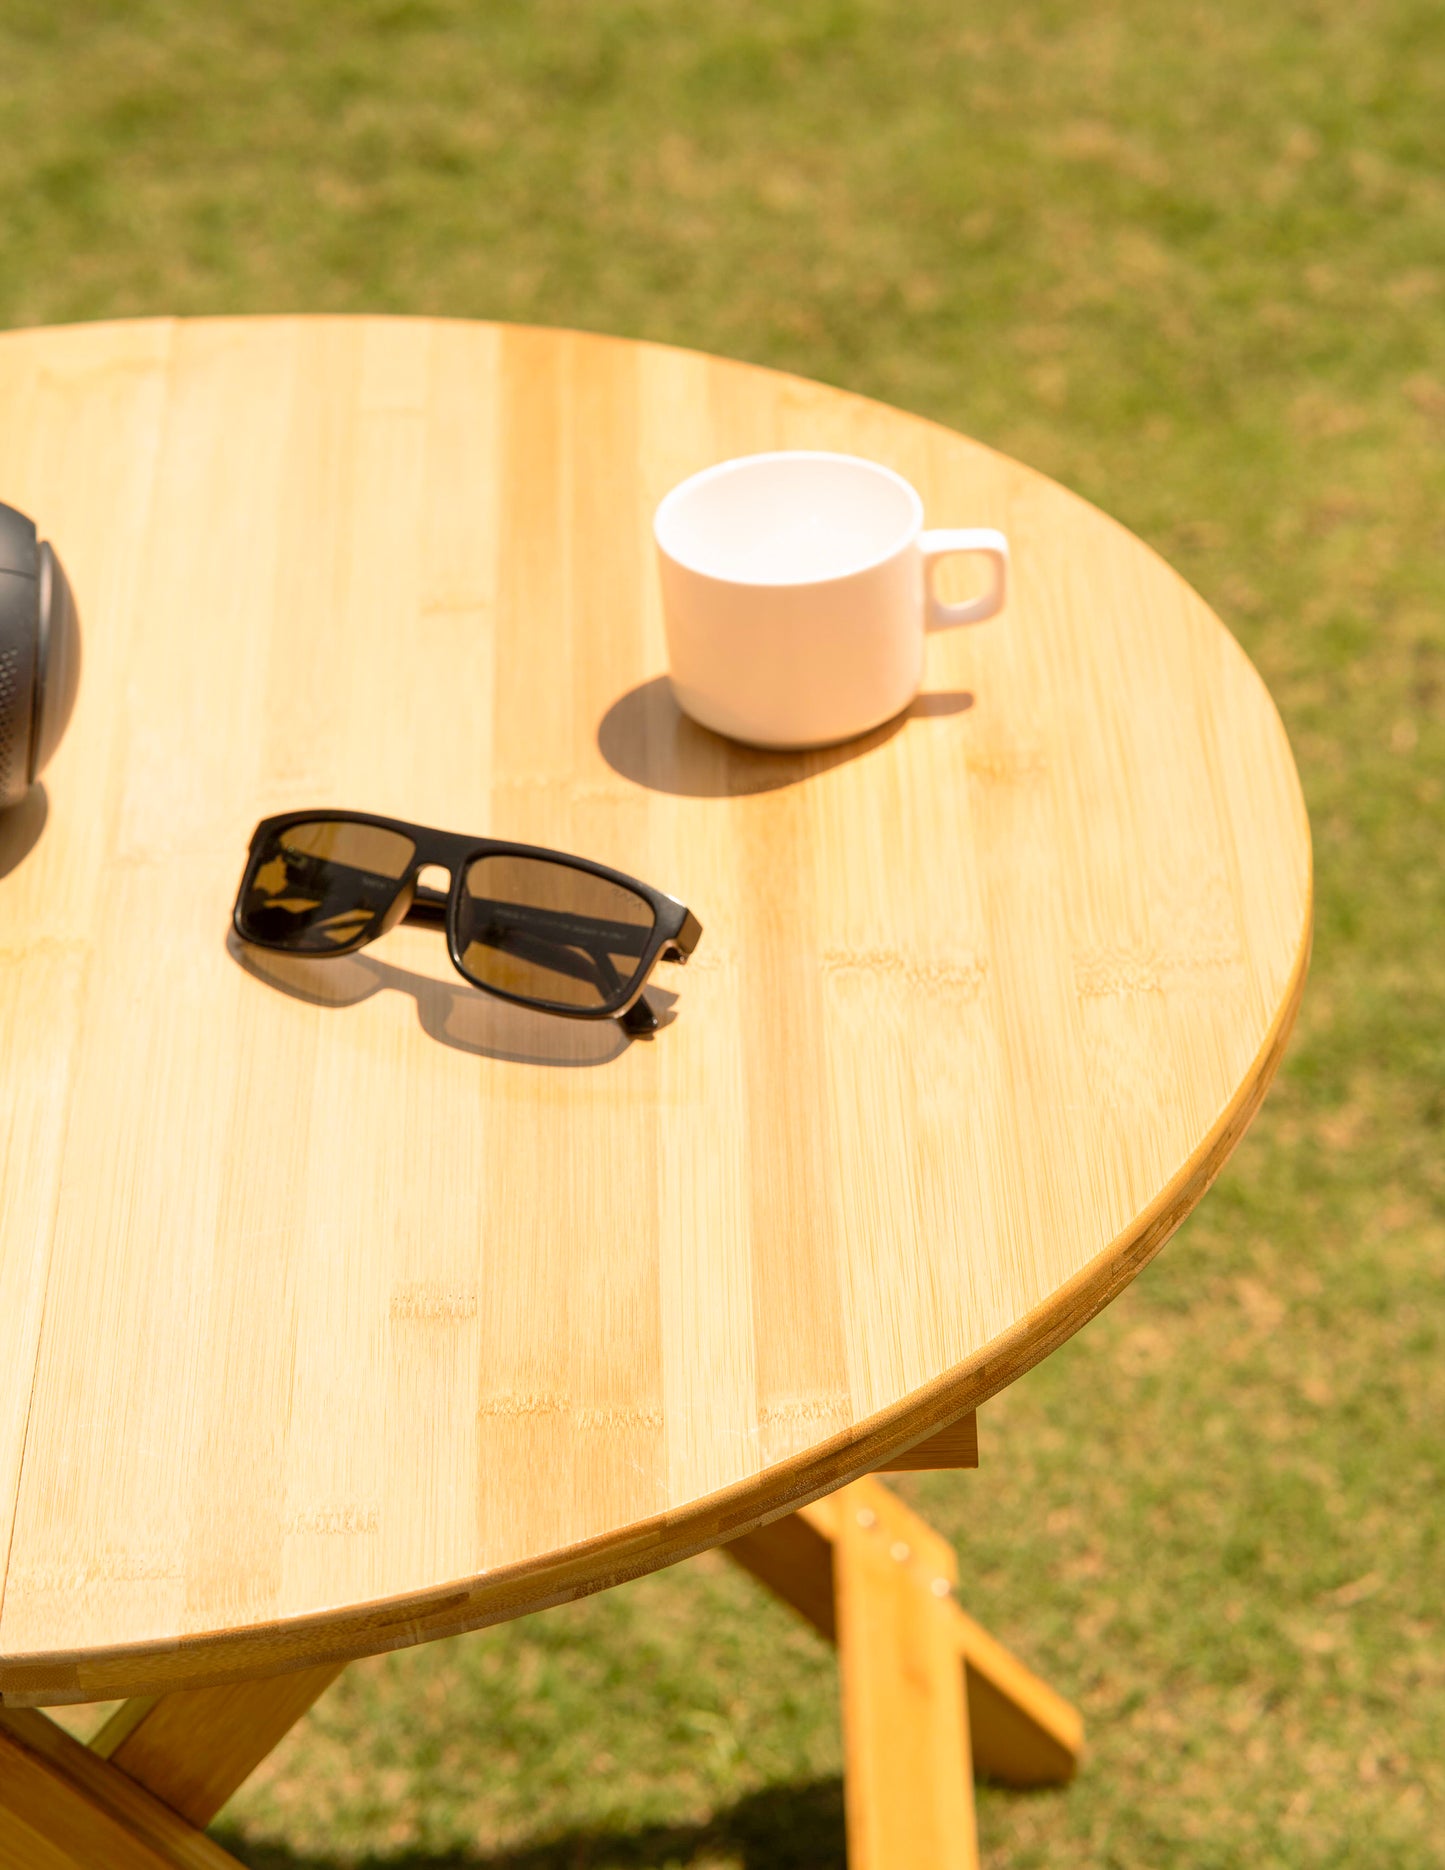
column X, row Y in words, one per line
column 342, row 1307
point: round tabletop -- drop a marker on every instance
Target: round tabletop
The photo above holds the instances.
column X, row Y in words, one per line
column 341, row 1305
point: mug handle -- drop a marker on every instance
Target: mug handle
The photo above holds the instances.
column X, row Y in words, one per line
column 938, row 545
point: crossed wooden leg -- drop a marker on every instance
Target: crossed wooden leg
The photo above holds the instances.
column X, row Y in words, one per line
column 158, row 1770
column 928, row 1698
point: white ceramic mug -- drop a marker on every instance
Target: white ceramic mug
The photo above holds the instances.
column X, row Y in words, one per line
column 797, row 589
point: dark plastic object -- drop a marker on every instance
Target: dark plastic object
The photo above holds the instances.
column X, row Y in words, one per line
column 39, row 654
column 319, row 904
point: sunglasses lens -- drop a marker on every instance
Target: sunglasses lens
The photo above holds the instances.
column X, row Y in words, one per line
column 317, row 887
column 551, row 933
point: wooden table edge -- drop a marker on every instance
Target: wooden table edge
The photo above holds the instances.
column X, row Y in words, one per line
column 170, row 323
column 218, row 1657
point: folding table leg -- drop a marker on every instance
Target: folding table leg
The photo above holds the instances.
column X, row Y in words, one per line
column 193, row 1748
column 929, row 1697
column 61, row 1808
column 908, row 1789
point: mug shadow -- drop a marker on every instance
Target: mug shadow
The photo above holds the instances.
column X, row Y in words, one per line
column 462, row 1017
column 20, row 828
column 648, row 739
column 787, row 1827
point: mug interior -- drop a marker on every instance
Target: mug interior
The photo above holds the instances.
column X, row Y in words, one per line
column 791, row 518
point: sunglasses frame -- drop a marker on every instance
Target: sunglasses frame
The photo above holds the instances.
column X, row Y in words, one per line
column 675, row 929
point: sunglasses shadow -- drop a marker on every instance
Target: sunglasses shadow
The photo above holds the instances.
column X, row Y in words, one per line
column 459, row 1016
column 648, row 739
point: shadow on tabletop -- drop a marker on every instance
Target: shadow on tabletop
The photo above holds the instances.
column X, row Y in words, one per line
column 796, row 1827
column 458, row 1016
column 648, row 739
column 20, row 829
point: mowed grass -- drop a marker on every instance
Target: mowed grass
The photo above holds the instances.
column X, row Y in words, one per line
column 1190, row 259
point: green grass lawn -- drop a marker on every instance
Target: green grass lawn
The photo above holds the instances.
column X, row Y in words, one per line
column 1189, row 259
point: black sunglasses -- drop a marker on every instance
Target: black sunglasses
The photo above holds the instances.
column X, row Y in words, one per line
column 529, row 925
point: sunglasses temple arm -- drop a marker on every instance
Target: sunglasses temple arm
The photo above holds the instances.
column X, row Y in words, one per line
column 681, row 945
column 639, row 1021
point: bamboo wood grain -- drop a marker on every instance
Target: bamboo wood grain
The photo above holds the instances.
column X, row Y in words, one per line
column 341, row 1308
column 62, row 1808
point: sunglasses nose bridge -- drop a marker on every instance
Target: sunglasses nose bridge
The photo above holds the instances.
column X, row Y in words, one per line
column 433, row 882
column 426, row 901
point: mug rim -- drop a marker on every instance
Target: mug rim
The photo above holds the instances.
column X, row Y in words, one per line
column 720, row 469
